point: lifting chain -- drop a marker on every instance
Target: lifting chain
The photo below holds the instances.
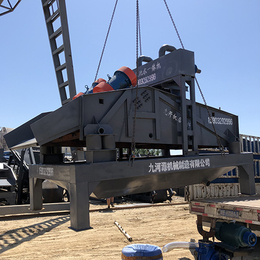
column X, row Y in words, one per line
column 139, row 48
column 104, row 46
column 211, row 121
column 204, row 100
column 139, row 31
column 175, row 27
column 138, row 40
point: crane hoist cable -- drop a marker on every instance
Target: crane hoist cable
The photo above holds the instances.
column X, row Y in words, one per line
column 104, row 46
column 196, row 80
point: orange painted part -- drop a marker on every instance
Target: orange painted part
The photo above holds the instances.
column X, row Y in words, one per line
column 100, row 80
column 131, row 75
column 102, row 87
column 78, row 95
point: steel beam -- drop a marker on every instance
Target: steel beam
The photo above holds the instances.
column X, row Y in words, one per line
column 120, row 178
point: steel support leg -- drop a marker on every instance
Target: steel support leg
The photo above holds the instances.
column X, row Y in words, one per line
column 35, row 193
column 79, row 206
column 247, row 179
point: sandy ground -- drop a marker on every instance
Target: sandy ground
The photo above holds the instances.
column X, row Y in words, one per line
column 50, row 237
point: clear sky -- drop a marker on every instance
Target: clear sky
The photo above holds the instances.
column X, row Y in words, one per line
column 224, row 35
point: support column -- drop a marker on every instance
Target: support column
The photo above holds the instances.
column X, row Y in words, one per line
column 35, row 193
column 188, row 114
column 185, row 143
column 193, row 117
column 79, row 206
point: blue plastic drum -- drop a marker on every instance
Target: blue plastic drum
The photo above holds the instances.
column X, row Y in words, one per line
column 141, row 251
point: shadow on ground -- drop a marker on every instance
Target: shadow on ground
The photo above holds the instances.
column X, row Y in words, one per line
column 15, row 237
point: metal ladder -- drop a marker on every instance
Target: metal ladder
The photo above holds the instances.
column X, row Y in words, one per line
column 58, row 32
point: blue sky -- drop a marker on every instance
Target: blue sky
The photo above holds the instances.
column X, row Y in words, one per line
column 223, row 34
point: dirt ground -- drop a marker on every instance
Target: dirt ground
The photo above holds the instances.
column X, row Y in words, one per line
column 50, row 237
